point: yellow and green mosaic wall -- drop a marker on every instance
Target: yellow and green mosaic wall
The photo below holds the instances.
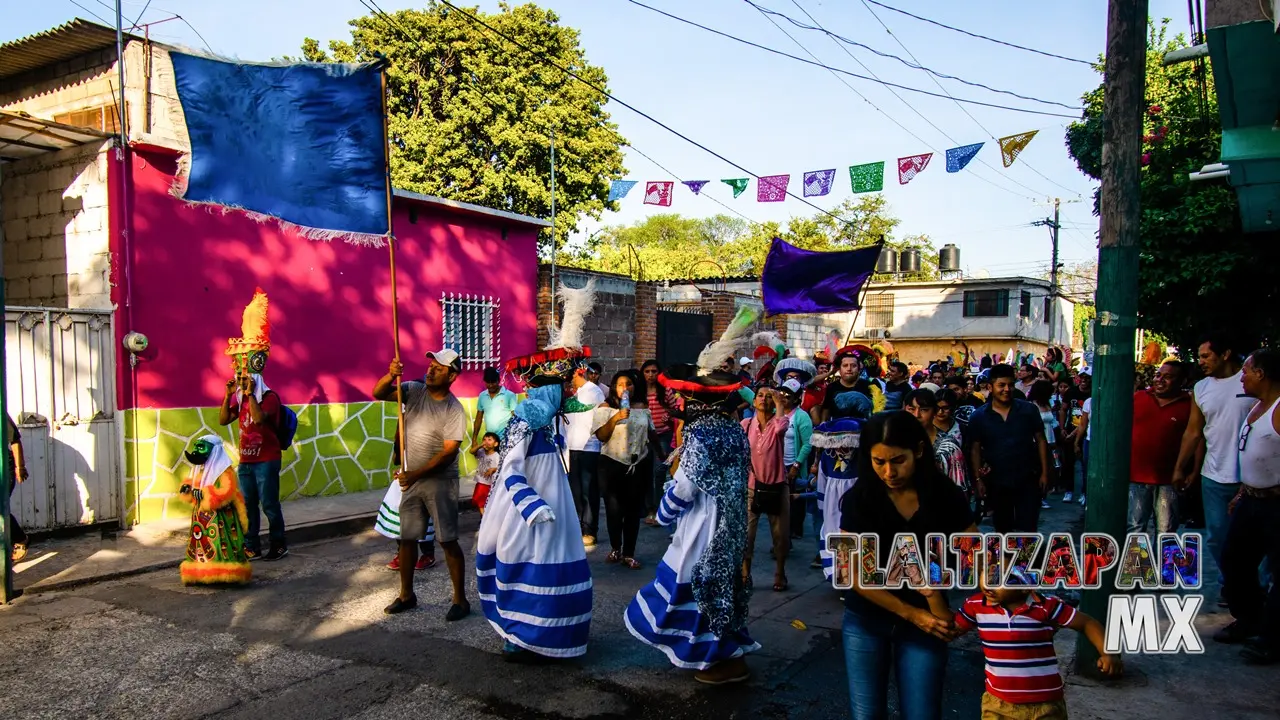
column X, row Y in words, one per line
column 339, row 448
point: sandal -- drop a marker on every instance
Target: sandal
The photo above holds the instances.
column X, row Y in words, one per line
column 780, row 585
column 632, row 563
column 651, row 521
column 613, row 557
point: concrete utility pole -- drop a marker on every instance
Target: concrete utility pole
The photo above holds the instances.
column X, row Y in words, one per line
column 1117, row 298
column 1054, row 226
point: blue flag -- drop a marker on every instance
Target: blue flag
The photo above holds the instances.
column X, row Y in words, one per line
column 302, row 143
column 805, row 281
column 958, row 157
column 618, row 189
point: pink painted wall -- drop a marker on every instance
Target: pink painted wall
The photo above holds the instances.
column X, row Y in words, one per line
column 193, row 271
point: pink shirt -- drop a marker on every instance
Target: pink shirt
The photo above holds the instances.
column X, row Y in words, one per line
column 766, row 450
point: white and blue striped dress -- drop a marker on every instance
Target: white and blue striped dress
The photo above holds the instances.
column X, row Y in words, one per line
column 836, row 476
column 664, row 613
column 533, row 579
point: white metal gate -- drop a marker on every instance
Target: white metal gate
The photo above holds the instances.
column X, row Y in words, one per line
column 60, row 377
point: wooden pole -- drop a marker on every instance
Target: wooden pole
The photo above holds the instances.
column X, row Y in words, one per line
column 1111, row 421
column 391, row 252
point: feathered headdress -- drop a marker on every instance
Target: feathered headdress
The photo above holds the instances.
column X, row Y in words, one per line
column 735, row 337
column 565, row 353
column 255, row 328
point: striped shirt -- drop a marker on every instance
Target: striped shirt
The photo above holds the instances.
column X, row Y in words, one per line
column 1021, row 664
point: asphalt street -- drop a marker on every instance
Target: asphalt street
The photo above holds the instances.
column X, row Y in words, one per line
column 308, row 640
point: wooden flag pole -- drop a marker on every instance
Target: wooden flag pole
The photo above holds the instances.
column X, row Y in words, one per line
column 848, row 339
column 391, row 252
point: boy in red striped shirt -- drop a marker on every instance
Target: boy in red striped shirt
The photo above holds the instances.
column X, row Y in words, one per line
column 1016, row 626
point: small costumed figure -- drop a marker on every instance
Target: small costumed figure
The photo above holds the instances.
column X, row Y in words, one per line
column 531, row 567
column 216, row 550
column 837, row 466
column 695, row 610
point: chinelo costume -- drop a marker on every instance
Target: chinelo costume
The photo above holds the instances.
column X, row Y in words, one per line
column 695, row 610
column 531, row 568
column 838, row 442
column 215, row 550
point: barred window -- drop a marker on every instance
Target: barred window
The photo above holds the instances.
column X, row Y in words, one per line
column 471, row 326
column 880, row 311
column 986, row 303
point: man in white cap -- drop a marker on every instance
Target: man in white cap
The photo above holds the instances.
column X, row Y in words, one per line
column 435, row 425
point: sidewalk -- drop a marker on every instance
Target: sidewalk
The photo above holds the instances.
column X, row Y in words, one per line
column 61, row 563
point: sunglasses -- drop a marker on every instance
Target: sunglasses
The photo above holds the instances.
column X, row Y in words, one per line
column 1244, row 436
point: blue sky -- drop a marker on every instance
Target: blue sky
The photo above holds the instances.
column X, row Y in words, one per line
column 774, row 115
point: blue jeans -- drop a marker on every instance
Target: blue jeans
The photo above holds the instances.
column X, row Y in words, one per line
column 260, row 483
column 873, row 646
column 1216, row 497
column 1146, row 500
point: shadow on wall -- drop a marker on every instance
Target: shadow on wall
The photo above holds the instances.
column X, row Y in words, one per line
column 56, row 229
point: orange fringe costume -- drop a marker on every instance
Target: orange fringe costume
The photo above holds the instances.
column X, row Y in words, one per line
column 215, row 552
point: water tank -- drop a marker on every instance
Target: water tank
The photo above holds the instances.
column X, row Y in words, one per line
column 949, row 258
column 888, row 262
column 909, row 263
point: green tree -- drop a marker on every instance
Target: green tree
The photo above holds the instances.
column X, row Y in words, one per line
column 672, row 247
column 1199, row 272
column 471, row 115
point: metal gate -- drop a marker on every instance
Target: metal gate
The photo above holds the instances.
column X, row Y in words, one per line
column 60, row 378
column 681, row 336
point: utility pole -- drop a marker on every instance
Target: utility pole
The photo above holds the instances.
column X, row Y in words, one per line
column 1054, row 226
column 1117, row 297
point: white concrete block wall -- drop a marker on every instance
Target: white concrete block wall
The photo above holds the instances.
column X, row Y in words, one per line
column 55, row 229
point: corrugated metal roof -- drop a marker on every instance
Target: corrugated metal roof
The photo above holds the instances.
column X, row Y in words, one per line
column 55, row 45
column 467, row 208
column 23, row 136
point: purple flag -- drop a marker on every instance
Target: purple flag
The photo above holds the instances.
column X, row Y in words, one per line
column 695, row 185
column 805, row 281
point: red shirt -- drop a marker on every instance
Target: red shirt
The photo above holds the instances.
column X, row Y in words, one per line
column 1157, row 437
column 258, row 443
column 1021, row 664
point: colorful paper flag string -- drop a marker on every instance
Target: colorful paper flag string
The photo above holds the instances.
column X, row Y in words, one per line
column 867, row 178
column 658, row 193
column 618, row 189
column 911, row 166
column 958, row 157
column 818, row 182
column 695, row 185
column 1011, row 147
column 739, row 185
column 772, row 188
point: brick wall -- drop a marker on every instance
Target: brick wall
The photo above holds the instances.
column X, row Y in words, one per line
column 54, row 229
column 610, row 329
column 646, row 329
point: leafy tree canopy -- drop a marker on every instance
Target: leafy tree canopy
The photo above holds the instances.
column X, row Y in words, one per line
column 472, row 116
column 1199, row 272
column 672, row 247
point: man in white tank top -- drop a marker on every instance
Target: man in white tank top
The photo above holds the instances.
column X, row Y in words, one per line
column 1254, row 533
column 1209, row 443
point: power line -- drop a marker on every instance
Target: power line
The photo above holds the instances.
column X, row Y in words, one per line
column 953, row 98
column 797, row 58
column 981, row 37
column 632, row 108
column 96, row 15
column 908, row 63
column 913, row 109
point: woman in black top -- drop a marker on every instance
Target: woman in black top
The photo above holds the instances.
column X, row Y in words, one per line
column 899, row 490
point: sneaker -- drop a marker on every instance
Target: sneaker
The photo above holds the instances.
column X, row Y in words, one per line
column 426, row 562
column 724, row 672
column 1066, row 497
column 1082, row 501
column 276, row 553
column 394, row 564
column 1044, row 504
column 1236, row 632
column 252, row 554
column 400, row 606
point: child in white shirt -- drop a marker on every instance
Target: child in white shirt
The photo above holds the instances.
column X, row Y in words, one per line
column 487, row 459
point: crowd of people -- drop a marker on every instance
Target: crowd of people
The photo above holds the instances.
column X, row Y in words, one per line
column 851, row 442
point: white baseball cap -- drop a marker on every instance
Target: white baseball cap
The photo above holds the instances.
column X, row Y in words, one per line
column 446, row 357
column 793, row 386
column 744, row 361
